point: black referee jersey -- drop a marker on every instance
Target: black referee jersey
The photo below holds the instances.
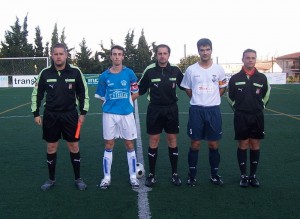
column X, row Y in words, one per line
column 249, row 95
column 63, row 89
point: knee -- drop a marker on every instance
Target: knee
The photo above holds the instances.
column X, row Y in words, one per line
column 73, row 147
column 195, row 145
column 109, row 144
column 213, row 145
column 129, row 145
column 172, row 140
column 52, row 147
column 153, row 141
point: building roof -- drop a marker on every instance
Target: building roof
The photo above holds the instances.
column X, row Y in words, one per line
column 295, row 55
column 264, row 66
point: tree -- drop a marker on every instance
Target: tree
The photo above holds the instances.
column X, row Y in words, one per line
column 105, row 56
column 63, row 41
column 54, row 38
column 189, row 60
column 46, row 51
column 12, row 43
column 83, row 59
column 143, row 54
column 96, row 67
column 38, row 49
column 63, row 37
column 130, row 51
column 154, row 59
column 26, row 48
column 16, row 43
column 38, row 44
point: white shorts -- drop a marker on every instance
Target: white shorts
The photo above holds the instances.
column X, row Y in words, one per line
column 119, row 126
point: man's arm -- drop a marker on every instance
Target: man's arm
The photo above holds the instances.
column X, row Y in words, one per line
column 82, row 94
column 222, row 90
column 134, row 96
column 37, row 97
column 189, row 92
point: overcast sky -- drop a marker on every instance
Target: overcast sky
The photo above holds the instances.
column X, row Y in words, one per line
column 270, row 27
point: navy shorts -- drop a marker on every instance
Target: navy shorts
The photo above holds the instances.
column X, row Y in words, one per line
column 162, row 118
column 248, row 125
column 57, row 125
column 205, row 123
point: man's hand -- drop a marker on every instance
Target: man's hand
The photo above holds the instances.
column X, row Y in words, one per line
column 38, row 120
column 81, row 119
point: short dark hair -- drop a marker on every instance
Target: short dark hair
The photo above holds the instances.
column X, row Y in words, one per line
column 117, row 47
column 162, row 46
column 59, row 45
column 204, row 42
column 248, row 50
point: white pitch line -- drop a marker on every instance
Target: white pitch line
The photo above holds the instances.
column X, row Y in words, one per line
column 143, row 203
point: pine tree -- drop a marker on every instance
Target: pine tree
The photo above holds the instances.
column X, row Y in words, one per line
column 38, row 47
column 63, row 41
column 46, row 51
column 12, row 45
column 105, row 56
column 83, row 59
column 26, row 48
column 54, row 38
column 143, row 54
column 130, row 51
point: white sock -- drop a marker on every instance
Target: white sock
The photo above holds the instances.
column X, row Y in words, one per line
column 107, row 162
column 131, row 158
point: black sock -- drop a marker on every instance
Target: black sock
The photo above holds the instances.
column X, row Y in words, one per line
column 173, row 155
column 242, row 159
column 214, row 161
column 152, row 157
column 192, row 161
column 51, row 162
column 254, row 158
column 75, row 160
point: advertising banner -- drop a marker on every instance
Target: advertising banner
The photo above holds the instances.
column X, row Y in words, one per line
column 24, row 80
column 3, row 81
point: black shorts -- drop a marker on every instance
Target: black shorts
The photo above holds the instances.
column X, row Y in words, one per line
column 60, row 124
column 162, row 118
column 248, row 125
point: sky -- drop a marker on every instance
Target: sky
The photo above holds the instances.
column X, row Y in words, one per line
column 270, row 27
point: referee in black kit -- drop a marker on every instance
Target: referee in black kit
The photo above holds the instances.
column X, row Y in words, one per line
column 64, row 85
column 248, row 94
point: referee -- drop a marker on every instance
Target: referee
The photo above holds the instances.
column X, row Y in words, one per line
column 160, row 80
column 248, row 94
column 64, row 85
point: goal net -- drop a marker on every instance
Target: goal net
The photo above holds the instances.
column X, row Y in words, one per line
column 23, row 65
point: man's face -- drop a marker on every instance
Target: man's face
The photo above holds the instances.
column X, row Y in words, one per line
column 59, row 57
column 117, row 56
column 249, row 60
column 205, row 53
column 162, row 56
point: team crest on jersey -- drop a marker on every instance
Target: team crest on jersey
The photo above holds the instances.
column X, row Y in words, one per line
column 123, row 83
column 214, row 78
